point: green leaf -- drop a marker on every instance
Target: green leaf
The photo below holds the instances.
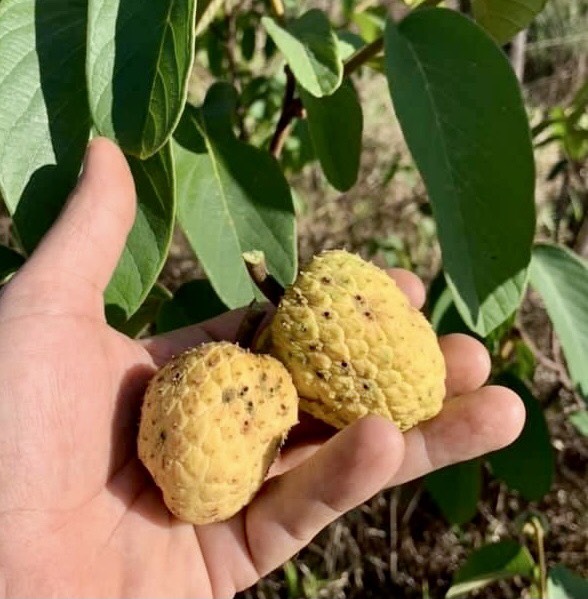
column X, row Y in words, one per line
column 139, row 59
column 311, row 50
column 489, row 564
column 462, row 115
column 233, row 198
column 528, row 464
column 443, row 314
column 503, row 19
column 563, row 584
column 371, row 22
column 10, row 262
column 194, row 302
column 149, row 240
column 580, row 420
column 561, row 277
column 45, row 120
column 456, row 490
column 148, row 313
column 336, row 125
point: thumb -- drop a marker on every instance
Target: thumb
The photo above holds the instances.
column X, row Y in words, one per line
column 82, row 248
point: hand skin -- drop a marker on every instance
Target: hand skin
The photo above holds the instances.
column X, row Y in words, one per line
column 79, row 515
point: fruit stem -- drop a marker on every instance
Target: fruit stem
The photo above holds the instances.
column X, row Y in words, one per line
column 257, row 268
column 250, row 324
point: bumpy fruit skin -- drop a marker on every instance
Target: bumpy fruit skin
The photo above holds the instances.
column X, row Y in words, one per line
column 212, row 422
column 355, row 346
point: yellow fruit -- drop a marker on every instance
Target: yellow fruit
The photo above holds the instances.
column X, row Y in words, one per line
column 213, row 421
column 355, row 346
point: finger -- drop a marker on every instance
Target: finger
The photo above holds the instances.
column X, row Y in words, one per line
column 223, row 327
column 410, row 284
column 163, row 347
column 467, row 362
column 469, row 426
column 85, row 243
column 291, row 509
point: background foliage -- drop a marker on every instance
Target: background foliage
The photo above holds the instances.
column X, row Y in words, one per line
column 398, row 130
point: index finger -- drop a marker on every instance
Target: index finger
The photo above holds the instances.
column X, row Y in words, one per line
column 225, row 327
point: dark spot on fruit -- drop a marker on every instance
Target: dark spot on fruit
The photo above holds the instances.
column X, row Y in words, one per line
column 213, row 361
column 246, row 425
column 263, row 377
column 344, row 365
column 244, row 390
column 176, row 377
column 359, row 298
column 162, row 436
column 326, row 280
column 366, row 386
column 313, row 347
column 283, row 408
column 321, row 375
column 229, row 395
column 249, row 406
column 368, row 315
column 327, row 314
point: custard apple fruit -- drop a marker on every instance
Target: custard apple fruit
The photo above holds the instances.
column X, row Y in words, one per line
column 212, row 422
column 355, row 346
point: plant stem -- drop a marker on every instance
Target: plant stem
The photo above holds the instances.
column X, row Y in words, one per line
column 291, row 109
column 359, row 58
column 257, row 268
column 278, row 9
column 540, row 537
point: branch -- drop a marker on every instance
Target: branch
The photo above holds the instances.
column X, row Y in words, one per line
column 257, row 268
column 278, row 9
column 291, row 109
column 365, row 53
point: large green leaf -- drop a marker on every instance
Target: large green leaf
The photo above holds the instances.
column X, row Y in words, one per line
column 233, row 198
column 336, row 124
column 44, row 116
column 489, row 564
column 462, row 115
column 194, row 302
column 528, row 464
column 502, row 19
column 456, row 490
column 311, row 50
column 563, row 584
column 10, row 262
column 148, row 242
column 561, row 277
column 139, row 59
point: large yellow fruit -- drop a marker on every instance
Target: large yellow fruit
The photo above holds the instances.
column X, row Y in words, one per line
column 212, row 423
column 355, row 346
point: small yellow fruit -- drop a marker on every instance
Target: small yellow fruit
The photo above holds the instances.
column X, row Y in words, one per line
column 355, row 346
column 213, row 421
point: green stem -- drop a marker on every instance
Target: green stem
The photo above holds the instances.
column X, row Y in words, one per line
column 365, row 53
column 539, row 535
column 370, row 50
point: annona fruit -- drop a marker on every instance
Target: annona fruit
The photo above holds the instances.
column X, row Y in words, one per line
column 212, row 422
column 355, row 346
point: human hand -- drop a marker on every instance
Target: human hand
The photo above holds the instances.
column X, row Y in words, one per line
column 79, row 515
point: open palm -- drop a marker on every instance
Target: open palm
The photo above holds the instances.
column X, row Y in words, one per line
column 79, row 515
